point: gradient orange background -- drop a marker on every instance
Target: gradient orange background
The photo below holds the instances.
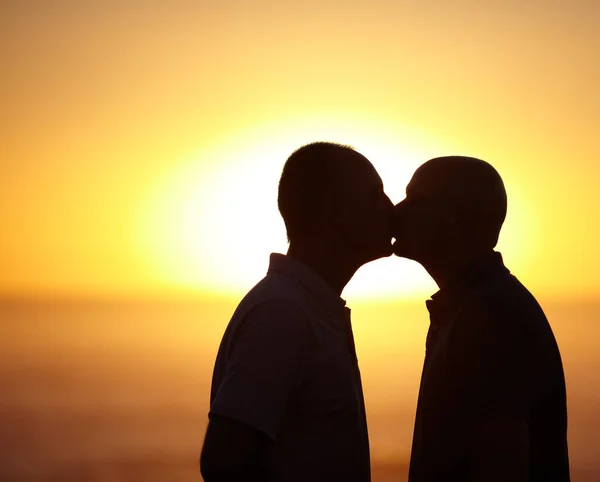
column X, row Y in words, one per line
column 141, row 143
column 103, row 104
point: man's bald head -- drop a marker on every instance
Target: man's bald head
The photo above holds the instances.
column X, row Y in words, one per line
column 469, row 185
column 452, row 201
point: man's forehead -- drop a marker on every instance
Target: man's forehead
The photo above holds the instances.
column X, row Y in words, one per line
column 428, row 181
column 455, row 178
column 357, row 171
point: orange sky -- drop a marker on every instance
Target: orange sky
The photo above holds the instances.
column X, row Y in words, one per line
column 137, row 141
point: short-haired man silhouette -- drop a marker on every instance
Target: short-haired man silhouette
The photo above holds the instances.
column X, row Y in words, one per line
column 286, row 399
column 492, row 401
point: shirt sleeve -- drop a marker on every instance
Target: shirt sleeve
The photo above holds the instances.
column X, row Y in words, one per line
column 264, row 366
column 489, row 357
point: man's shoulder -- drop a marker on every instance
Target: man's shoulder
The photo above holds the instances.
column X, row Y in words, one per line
column 274, row 289
column 275, row 294
column 504, row 294
column 504, row 307
column 273, row 308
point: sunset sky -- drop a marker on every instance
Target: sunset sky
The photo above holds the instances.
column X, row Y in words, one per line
column 141, row 142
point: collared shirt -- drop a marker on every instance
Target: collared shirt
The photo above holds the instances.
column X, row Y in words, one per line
column 489, row 351
column 287, row 367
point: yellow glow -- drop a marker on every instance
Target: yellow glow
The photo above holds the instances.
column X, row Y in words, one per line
column 141, row 145
column 211, row 224
column 133, row 136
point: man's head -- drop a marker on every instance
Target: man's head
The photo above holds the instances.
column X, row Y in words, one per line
column 332, row 195
column 454, row 206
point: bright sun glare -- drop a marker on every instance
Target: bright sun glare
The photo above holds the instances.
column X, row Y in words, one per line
column 211, row 223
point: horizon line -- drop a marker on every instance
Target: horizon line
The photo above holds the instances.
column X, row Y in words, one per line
column 204, row 296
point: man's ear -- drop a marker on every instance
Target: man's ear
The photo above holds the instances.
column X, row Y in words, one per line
column 334, row 213
column 454, row 218
column 461, row 216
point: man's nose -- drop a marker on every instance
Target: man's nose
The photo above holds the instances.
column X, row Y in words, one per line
column 397, row 214
column 387, row 203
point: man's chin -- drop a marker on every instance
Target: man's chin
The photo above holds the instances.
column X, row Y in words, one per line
column 388, row 251
column 399, row 250
column 382, row 252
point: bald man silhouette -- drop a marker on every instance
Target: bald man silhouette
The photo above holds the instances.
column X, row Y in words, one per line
column 492, row 401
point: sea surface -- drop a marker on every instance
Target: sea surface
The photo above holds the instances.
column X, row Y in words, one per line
column 117, row 391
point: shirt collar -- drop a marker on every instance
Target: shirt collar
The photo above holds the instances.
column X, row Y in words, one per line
column 447, row 300
column 317, row 286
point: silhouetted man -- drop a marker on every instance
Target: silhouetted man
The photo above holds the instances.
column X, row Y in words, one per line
column 492, row 402
column 286, row 399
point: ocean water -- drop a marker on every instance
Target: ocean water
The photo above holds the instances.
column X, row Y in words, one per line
column 117, row 391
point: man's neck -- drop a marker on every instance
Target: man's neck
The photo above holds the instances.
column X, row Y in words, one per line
column 445, row 271
column 330, row 265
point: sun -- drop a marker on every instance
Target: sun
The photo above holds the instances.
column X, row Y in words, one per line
column 211, row 223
